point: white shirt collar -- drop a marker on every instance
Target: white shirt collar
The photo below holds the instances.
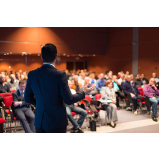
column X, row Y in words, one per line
column 49, row 64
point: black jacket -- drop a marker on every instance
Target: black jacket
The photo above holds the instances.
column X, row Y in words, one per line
column 50, row 88
column 127, row 88
column 5, row 88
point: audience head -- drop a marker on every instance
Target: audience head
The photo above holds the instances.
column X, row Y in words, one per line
column 7, row 78
column 2, row 78
column 75, row 78
column 101, row 76
column 152, row 81
column 109, row 83
column 114, row 77
column 129, row 78
column 154, row 75
column 69, row 84
column 11, row 71
column 142, row 76
column 12, row 76
column 137, row 76
column 127, row 72
column 109, row 75
column 20, row 71
column 119, row 74
column 82, row 74
column 132, row 77
column 49, row 53
column 17, row 75
column 22, row 85
column 92, row 76
column 86, row 80
column 122, row 76
column 22, row 77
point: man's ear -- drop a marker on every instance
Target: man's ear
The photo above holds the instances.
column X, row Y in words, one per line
column 41, row 58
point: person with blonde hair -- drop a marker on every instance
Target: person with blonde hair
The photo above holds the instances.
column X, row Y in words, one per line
column 92, row 79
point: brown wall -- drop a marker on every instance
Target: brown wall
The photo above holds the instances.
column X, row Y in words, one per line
column 112, row 44
column 148, row 51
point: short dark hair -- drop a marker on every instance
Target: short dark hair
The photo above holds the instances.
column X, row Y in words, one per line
column 137, row 74
column 49, row 52
column 22, row 82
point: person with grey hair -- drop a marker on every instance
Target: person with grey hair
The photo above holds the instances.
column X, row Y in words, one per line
column 150, row 90
column 13, row 84
column 4, row 87
column 86, row 82
column 154, row 75
column 120, row 80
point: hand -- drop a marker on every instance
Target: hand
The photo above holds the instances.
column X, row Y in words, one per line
column 154, row 98
column 116, row 90
column 16, row 104
column 132, row 95
column 87, row 90
column 113, row 101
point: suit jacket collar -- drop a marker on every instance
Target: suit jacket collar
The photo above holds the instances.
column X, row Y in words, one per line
column 47, row 66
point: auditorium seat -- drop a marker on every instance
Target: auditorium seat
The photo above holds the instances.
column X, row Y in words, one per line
column 3, row 121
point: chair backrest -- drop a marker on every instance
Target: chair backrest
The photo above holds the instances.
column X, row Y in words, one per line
column 87, row 97
column 97, row 96
column 140, row 89
column 5, row 94
column 13, row 91
column 7, row 101
column 141, row 93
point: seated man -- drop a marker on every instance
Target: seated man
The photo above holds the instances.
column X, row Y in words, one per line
column 71, row 108
column 4, row 87
column 151, row 91
column 154, row 75
column 86, row 82
column 137, row 81
column 22, row 109
column 100, row 82
column 75, row 85
column 117, row 90
column 131, row 90
column 143, row 79
column 13, row 84
column 93, row 93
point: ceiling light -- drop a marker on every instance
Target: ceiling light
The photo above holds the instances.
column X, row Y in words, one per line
column 10, row 52
column 67, row 55
column 38, row 54
column 94, row 55
column 64, row 54
column 5, row 54
column 29, row 53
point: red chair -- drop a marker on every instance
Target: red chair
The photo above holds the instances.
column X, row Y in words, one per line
column 7, row 101
column 3, row 121
column 97, row 96
column 87, row 97
column 13, row 91
column 5, row 94
column 140, row 89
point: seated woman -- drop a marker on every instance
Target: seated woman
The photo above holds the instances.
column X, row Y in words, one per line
column 108, row 93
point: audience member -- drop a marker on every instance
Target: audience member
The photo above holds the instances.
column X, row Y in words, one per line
column 117, row 90
column 4, row 87
column 121, row 79
column 137, row 81
column 17, row 74
column 144, row 80
column 71, row 108
column 132, row 91
column 100, row 82
column 92, row 79
column 13, row 84
column 154, row 75
column 22, row 109
column 127, row 73
column 106, row 75
column 87, row 82
column 108, row 93
column 81, row 78
column 75, row 85
column 151, row 91
column 7, row 79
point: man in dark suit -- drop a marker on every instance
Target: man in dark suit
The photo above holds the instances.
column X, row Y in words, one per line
column 22, row 109
column 47, row 87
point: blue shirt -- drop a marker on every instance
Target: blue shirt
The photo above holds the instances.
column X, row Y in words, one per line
column 115, row 85
column 100, row 83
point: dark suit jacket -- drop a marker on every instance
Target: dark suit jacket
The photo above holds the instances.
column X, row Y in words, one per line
column 127, row 88
column 17, row 97
column 50, row 88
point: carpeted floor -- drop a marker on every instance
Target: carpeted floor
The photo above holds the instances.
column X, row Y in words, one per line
column 127, row 123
